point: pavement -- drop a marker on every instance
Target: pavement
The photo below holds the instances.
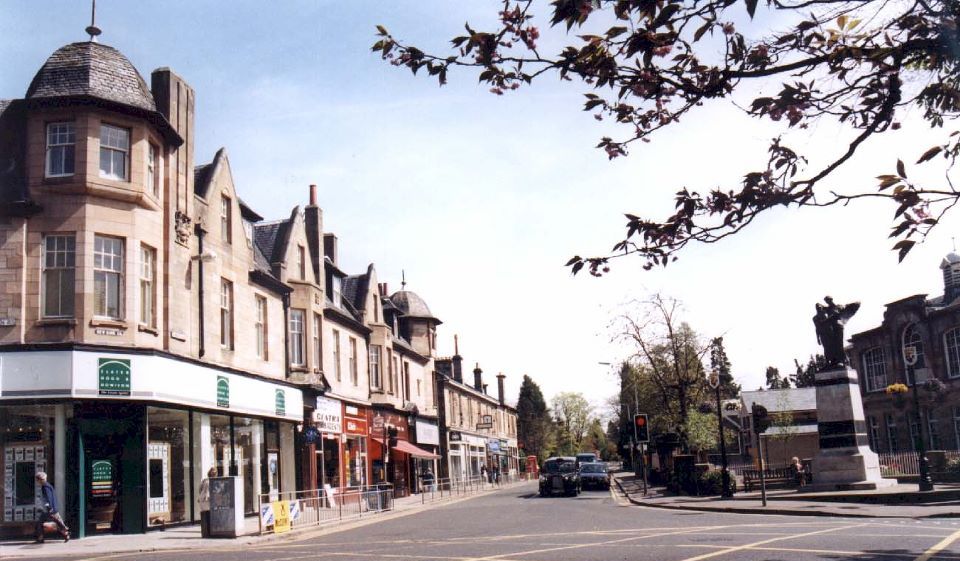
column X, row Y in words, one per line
column 184, row 538
column 514, row 524
column 857, row 504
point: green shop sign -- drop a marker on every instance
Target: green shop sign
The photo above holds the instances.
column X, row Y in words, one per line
column 114, row 376
column 281, row 403
column 101, row 478
column 223, row 391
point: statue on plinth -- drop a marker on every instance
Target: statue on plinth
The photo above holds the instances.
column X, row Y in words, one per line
column 829, row 322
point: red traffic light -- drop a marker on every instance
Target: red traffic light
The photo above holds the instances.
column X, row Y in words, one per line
column 640, row 429
column 640, row 420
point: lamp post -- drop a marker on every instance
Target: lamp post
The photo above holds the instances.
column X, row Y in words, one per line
column 910, row 358
column 724, row 473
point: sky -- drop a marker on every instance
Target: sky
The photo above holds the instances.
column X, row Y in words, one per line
column 480, row 199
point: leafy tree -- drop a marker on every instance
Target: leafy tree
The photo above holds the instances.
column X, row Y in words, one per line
column 783, row 425
column 572, row 414
column 775, row 381
column 805, row 377
column 534, row 425
column 595, row 439
column 865, row 65
column 669, row 357
column 719, row 362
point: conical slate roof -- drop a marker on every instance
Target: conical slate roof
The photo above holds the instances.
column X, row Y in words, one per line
column 93, row 70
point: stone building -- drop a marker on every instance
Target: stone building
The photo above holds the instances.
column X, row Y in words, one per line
column 792, row 432
column 139, row 330
column 153, row 326
column 932, row 327
column 476, row 429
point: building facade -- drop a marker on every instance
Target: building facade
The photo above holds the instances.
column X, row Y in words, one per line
column 932, row 327
column 155, row 328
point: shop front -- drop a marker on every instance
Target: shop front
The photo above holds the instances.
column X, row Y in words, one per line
column 323, row 440
column 126, row 439
column 467, row 454
column 354, row 448
column 389, row 466
column 426, row 435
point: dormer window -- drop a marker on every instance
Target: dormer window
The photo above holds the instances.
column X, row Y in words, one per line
column 337, row 287
column 61, row 140
column 114, row 151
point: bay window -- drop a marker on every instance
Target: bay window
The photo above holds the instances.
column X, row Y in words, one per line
column 114, row 152
column 61, row 142
column 59, row 262
column 108, row 277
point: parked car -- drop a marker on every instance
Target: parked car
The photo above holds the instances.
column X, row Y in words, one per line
column 587, row 458
column 560, row 474
column 594, row 475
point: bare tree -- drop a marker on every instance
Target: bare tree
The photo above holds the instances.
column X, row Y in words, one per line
column 670, row 353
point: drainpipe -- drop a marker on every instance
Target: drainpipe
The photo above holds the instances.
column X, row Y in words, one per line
column 286, row 334
column 200, row 233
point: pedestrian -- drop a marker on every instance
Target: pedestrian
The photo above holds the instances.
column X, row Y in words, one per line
column 496, row 474
column 205, row 503
column 427, row 478
column 799, row 472
column 49, row 510
column 483, row 472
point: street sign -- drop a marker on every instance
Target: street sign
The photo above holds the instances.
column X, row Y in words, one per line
column 641, row 428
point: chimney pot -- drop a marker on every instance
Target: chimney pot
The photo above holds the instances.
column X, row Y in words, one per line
column 500, row 397
column 313, row 195
column 478, row 378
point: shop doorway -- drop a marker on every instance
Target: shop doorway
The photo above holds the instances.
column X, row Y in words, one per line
column 112, row 442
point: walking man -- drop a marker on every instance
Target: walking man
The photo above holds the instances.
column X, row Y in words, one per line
column 49, row 510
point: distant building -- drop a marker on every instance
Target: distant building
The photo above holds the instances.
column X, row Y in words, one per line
column 793, row 424
column 932, row 327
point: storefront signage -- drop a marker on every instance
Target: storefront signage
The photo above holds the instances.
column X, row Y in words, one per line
column 493, row 445
column 427, row 433
column 355, row 426
column 455, row 436
column 8, row 322
column 281, row 516
column 398, row 422
column 113, row 376
column 281, row 401
column 327, row 417
column 223, row 391
column 101, row 478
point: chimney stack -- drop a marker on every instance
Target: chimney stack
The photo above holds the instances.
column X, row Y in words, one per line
column 500, row 378
column 485, row 389
column 478, row 378
column 313, row 222
column 313, row 195
column 330, row 247
column 457, row 361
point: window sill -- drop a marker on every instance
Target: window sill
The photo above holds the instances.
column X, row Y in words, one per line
column 299, row 368
column 56, row 322
column 58, row 179
column 147, row 329
column 107, row 322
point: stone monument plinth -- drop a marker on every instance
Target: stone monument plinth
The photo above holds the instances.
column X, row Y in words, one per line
column 845, row 461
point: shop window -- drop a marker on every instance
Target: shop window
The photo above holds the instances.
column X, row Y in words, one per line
column 355, row 460
column 27, row 441
column 168, row 460
column 59, row 262
column 108, row 277
column 61, row 141
column 114, row 152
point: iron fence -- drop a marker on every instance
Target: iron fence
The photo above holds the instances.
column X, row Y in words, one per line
column 893, row 464
column 316, row 506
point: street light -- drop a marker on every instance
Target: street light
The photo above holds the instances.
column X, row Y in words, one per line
column 910, row 358
column 714, row 380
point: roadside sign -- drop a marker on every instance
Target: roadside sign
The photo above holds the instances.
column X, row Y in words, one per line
column 281, row 516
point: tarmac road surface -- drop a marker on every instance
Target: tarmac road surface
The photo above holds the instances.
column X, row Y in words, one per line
column 516, row 525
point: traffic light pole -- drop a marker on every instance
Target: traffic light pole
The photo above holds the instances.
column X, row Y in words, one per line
column 763, row 479
column 643, row 467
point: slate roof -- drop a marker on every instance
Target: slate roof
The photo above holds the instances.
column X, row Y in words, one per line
column 793, row 399
column 269, row 236
column 94, row 70
column 203, row 174
column 411, row 305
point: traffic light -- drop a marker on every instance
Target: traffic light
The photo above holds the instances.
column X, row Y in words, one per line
column 392, row 436
column 761, row 420
column 641, row 428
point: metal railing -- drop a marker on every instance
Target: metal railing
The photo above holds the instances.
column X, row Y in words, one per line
column 893, row 464
column 316, row 507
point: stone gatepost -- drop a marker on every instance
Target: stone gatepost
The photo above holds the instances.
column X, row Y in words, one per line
column 845, row 461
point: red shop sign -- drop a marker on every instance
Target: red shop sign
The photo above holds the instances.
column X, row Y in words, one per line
column 355, row 426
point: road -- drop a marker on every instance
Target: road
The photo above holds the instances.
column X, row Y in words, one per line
column 516, row 525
